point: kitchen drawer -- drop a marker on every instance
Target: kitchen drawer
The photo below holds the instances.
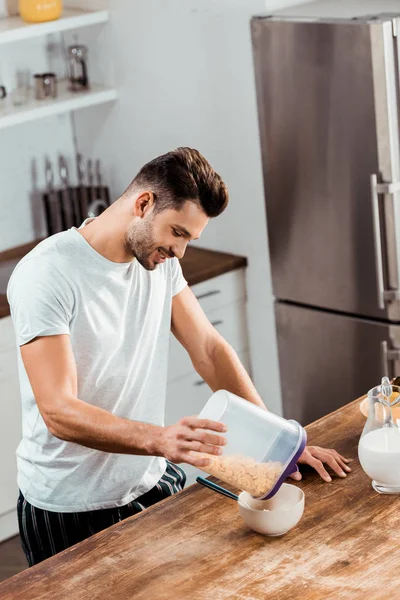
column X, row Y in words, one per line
column 231, row 323
column 220, row 291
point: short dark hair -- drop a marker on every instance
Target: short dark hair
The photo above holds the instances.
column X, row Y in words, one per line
column 181, row 175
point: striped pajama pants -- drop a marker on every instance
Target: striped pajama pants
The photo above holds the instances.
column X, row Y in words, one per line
column 45, row 533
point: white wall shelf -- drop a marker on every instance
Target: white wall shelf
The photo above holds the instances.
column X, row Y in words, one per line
column 14, row 29
column 66, row 101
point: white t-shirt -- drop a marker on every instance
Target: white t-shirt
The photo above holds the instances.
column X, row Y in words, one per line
column 118, row 316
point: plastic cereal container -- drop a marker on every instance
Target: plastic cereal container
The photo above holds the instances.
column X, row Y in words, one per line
column 262, row 449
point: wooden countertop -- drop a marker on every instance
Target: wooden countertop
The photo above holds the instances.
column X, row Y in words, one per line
column 198, row 265
column 195, row 545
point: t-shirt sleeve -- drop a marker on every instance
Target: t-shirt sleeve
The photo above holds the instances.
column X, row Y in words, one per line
column 178, row 280
column 40, row 301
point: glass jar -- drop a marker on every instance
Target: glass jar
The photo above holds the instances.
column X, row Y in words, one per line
column 34, row 11
column 77, row 68
column 262, row 449
column 379, row 445
column 3, row 96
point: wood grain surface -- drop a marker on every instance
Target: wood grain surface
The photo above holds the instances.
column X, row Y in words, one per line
column 198, row 265
column 195, row 545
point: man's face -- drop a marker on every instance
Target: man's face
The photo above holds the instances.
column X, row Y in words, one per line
column 156, row 237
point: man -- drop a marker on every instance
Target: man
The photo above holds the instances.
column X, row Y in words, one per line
column 92, row 309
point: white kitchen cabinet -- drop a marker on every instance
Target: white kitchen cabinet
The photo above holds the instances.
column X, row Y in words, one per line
column 230, row 321
column 223, row 300
column 10, row 429
column 222, row 290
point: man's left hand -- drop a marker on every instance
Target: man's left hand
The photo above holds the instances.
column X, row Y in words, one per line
column 316, row 457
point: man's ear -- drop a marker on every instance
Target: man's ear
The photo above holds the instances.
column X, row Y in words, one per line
column 143, row 204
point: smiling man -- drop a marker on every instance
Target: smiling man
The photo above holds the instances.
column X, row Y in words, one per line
column 93, row 309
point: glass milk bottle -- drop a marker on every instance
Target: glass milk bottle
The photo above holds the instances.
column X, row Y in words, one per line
column 379, row 445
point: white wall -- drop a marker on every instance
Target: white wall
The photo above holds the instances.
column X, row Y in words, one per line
column 22, row 152
column 23, row 148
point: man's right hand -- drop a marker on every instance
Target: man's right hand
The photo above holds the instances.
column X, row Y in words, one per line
column 188, row 440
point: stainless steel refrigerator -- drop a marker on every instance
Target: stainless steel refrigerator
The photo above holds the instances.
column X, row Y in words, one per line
column 328, row 103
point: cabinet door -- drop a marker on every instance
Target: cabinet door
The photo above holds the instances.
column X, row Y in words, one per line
column 231, row 323
column 10, row 421
column 221, row 291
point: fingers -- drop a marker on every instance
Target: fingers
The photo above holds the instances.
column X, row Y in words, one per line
column 336, row 455
column 203, row 440
column 319, row 467
column 296, row 476
column 341, row 460
column 343, row 465
column 206, row 438
column 316, row 457
column 196, row 460
column 334, row 465
column 196, row 423
column 346, row 460
column 191, row 439
column 195, row 446
column 196, row 439
column 334, row 460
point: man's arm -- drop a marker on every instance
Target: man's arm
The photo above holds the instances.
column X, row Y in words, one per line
column 218, row 364
column 212, row 357
column 51, row 368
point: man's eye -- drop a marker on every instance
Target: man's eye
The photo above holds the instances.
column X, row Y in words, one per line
column 176, row 233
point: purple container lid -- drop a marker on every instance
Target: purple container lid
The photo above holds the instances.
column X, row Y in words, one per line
column 292, row 464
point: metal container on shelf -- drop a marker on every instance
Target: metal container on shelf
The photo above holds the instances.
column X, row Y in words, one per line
column 45, row 85
column 77, row 68
column 3, row 96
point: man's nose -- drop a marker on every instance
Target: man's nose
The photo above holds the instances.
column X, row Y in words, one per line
column 179, row 249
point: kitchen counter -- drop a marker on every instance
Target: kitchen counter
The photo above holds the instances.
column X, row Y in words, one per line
column 195, row 545
column 198, row 265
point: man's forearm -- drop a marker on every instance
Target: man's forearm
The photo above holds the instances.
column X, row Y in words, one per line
column 97, row 428
column 224, row 370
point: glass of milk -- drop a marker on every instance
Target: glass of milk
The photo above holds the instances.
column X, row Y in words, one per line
column 379, row 445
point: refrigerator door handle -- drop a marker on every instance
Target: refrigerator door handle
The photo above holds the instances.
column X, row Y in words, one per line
column 387, row 357
column 384, row 359
column 378, row 242
column 376, row 189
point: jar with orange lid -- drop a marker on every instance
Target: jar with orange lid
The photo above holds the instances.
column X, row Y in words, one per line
column 36, row 11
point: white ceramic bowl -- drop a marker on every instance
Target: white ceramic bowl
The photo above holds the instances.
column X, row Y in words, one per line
column 275, row 516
